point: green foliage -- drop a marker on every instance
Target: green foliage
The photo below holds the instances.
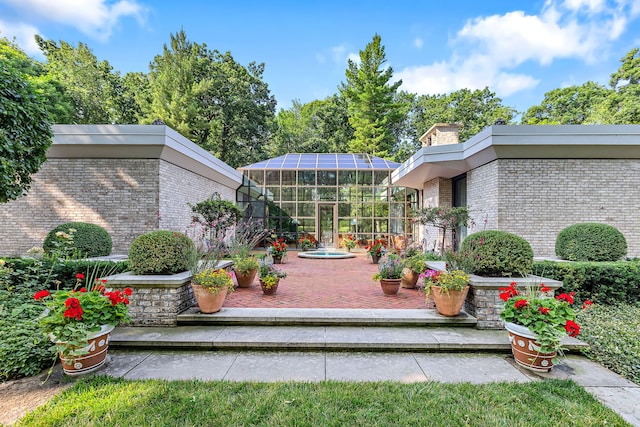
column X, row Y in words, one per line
column 217, row 213
column 160, row 252
column 591, row 242
column 573, row 105
column 371, row 102
column 444, row 218
column 416, row 263
column 25, row 131
column 245, row 264
column 613, row 335
column 208, row 97
column 601, row 282
column 498, row 253
column 389, row 267
column 214, row 279
column 89, row 240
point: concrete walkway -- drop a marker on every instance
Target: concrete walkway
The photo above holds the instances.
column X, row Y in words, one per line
column 614, row 391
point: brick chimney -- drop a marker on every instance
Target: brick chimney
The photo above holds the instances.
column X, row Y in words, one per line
column 441, row 134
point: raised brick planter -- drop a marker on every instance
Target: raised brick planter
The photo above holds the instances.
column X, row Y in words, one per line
column 157, row 299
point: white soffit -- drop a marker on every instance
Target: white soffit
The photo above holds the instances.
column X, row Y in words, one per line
column 520, row 142
column 140, row 142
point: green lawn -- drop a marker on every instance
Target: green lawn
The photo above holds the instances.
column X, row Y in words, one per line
column 104, row 401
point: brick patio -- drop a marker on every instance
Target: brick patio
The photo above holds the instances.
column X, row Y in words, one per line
column 326, row 283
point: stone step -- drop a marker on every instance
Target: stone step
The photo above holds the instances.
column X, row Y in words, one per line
column 323, row 317
column 314, row 338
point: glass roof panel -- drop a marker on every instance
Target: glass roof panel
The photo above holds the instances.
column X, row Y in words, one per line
column 324, row 161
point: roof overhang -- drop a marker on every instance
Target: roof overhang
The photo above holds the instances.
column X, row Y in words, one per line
column 140, row 142
column 519, row 142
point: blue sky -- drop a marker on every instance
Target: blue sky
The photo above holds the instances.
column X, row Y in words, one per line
column 520, row 50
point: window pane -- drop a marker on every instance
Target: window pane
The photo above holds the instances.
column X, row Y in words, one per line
column 307, row 194
column 288, row 209
column 365, row 210
column 273, row 177
column 257, row 176
column 397, row 210
column 381, row 193
column 346, row 225
column 307, row 209
column 381, row 178
column 364, row 225
column 346, row 177
column 381, row 210
column 327, row 193
column 306, row 177
column 307, row 225
column 364, row 177
column 381, row 225
column 365, row 193
column 347, row 194
column 345, row 209
column 273, row 193
column 288, row 194
column 326, row 177
column 288, row 177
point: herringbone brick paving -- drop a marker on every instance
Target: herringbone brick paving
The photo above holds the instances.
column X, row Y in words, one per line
column 326, row 283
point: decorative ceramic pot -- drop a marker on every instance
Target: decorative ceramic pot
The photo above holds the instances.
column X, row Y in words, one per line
column 375, row 258
column 208, row 301
column 390, row 286
column 277, row 259
column 245, row 280
column 94, row 359
column 270, row 291
column 526, row 350
column 409, row 279
column 448, row 303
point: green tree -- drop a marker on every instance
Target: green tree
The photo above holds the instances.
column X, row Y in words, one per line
column 622, row 106
column 371, row 102
column 209, row 98
column 95, row 90
column 25, row 130
column 572, row 105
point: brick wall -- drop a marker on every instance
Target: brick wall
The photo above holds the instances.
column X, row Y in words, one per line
column 482, row 197
column 120, row 195
column 437, row 192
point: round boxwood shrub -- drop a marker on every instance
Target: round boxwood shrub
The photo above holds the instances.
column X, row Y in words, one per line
column 89, row 240
column 591, row 241
column 496, row 253
column 160, row 252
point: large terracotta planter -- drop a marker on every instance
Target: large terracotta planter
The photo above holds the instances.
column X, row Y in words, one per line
column 409, row 279
column 269, row 291
column 390, row 286
column 245, row 280
column 448, row 303
column 526, row 350
column 96, row 357
column 208, row 301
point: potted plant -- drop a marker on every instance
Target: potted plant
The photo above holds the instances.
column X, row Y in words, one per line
column 537, row 322
column 245, row 236
column 245, row 268
column 414, row 265
column 79, row 321
column 270, row 277
column 278, row 251
column 210, row 287
column 448, row 289
column 389, row 274
column 307, row 242
column 348, row 242
column 376, row 250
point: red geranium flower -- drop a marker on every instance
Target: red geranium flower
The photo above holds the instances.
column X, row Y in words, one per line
column 572, row 328
column 128, row 291
column 80, row 276
column 543, row 310
column 41, row 294
column 74, row 310
column 83, row 289
column 544, row 289
column 565, row 297
column 586, row 304
column 520, row 304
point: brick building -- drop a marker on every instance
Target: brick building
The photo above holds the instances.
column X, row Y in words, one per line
column 533, row 180
column 129, row 179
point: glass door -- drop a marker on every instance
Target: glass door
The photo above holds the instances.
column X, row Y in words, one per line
column 327, row 224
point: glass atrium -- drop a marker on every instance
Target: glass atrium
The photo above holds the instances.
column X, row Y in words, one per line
column 329, row 196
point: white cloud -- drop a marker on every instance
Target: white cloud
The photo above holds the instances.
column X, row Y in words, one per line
column 94, row 18
column 487, row 50
column 24, row 35
column 418, row 42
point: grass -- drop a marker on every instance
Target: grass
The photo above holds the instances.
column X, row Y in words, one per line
column 613, row 334
column 104, row 401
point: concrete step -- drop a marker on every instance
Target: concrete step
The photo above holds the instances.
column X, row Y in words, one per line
column 323, row 317
column 313, row 338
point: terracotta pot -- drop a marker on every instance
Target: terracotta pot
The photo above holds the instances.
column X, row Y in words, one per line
column 208, row 301
column 246, row 280
column 526, row 350
column 96, row 357
column 409, row 279
column 449, row 303
column 277, row 260
column 272, row 290
column 375, row 258
column 390, row 286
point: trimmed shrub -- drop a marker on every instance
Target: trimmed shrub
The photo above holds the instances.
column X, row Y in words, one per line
column 496, row 253
column 89, row 240
column 591, row 241
column 601, row 282
column 160, row 252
